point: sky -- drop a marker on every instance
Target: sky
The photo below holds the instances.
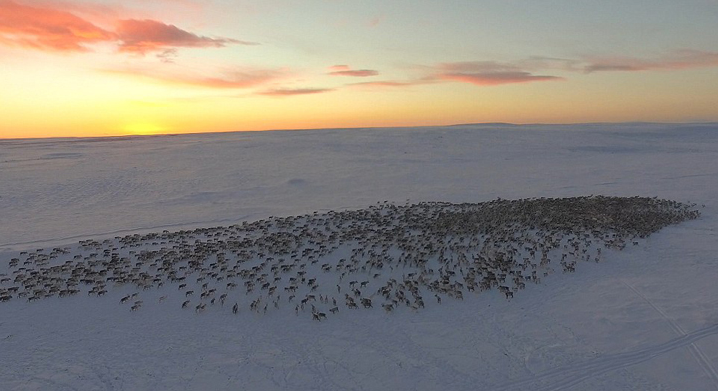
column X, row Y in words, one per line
column 76, row 68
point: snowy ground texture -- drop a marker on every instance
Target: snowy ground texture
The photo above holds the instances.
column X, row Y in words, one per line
column 644, row 317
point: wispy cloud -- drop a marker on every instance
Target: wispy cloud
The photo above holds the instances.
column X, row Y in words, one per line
column 487, row 73
column 294, row 91
column 229, row 79
column 676, row 60
column 385, row 83
column 482, row 73
column 141, row 36
column 234, row 80
column 54, row 29
column 376, row 21
column 355, row 73
column 537, row 68
column 345, row 70
column 543, row 63
column 496, row 78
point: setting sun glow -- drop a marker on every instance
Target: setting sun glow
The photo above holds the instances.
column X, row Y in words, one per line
column 144, row 129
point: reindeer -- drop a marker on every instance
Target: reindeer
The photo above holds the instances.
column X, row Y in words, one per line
column 319, row 316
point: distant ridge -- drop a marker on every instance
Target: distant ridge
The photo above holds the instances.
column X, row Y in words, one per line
column 485, row 124
column 627, row 123
column 475, row 124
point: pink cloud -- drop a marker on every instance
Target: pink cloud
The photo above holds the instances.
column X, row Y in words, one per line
column 679, row 59
column 51, row 28
column 344, row 70
column 47, row 29
column 295, row 91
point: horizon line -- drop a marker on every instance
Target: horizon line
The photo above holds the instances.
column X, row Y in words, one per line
column 215, row 132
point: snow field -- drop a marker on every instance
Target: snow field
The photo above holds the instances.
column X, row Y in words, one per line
column 642, row 318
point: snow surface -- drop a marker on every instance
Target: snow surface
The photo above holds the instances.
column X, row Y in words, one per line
column 644, row 318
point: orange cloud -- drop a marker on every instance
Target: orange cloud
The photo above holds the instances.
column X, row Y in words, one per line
column 47, row 29
column 295, row 91
column 679, row 59
column 344, row 70
column 141, row 36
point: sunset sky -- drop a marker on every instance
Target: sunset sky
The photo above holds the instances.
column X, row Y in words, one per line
column 111, row 67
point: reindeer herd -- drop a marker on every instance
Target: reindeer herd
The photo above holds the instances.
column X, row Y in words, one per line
column 393, row 256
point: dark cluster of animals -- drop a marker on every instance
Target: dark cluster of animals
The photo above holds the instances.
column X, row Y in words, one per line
column 389, row 256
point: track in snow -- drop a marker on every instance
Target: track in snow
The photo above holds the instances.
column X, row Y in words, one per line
column 569, row 376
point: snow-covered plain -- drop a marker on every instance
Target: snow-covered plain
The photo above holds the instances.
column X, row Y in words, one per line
column 644, row 318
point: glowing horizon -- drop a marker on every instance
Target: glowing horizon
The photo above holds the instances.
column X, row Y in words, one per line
column 77, row 68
